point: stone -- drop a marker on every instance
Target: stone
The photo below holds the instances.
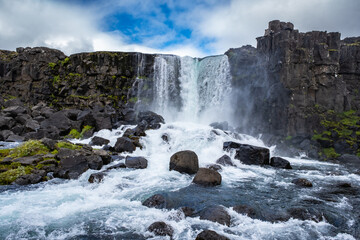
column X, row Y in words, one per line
column 94, row 162
column 6, row 123
column 279, row 162
column 349, row 159
column 105, row 156
column 15, row 138
column 98, row 141
column 249, row 154
column 31, row 160
column 136, row 162
column 155, row 201
column 207, row 177
column 188, row 211
column 117, row 166
column 214, row 167
column 210, row 235
column 161, row 229
column 305, row 214
column 225, row 160
column 96, row 177
column 58, row 120
column 124, row 144
column 4, row 134
column 151, row 119
column 246, row 210
column 14, row 111
column 32, row 178
column 216, row 214
column 184, row 162
column 49, row 143
column 302, row 182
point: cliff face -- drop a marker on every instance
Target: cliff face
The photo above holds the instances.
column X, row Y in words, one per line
column 297, row 78
column 43, row 74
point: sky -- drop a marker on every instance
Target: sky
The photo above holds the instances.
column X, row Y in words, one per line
column 195, row 28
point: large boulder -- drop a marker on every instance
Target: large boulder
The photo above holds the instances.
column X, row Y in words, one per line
column 225, row 160
column 184, row 162
column 98, row 141
column 161, row 229
column 302, row 182
column 207, row 177
column 96, row 177
column 124, row 144
column 155, row 201
column 246, row 210
column 216, row 214
column 249, row 154
column 149, row 120
column 279, row 162
column 58, row 120
column 210, row 235
column 136, row 162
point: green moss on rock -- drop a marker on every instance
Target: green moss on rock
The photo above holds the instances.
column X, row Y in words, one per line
column 29, row 148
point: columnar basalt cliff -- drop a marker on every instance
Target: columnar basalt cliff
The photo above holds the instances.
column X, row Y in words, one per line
column 292, row 84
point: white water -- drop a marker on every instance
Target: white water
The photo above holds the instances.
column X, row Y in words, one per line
column 112, row 209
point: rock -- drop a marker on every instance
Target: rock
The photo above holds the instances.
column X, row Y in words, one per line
column 31, row 160
column 214, row 167
column 305, row 214
column 124, row 144
column 207, row 177
column 184, row 162
column 342, row 147
column 302, row 182
column 155, row 201
column 105, row 156
column 4, row 134
column 188, row 211
column 58, row 120
column 32, row 178
column 151, row 119
column 94, row 162
column 165, row 137
column 49, row 143
column 15, row 138
column 98, row 141
column 161, row 229
column 279, row 162
column 225, row 160
column 216, row 214
column 249, row 154
column 220, row 125
column 14, row 111
column 117, row 166
column 32, row 125
column 210, row 235
column 96, row 177
column 246, row 210
column 136, row 162
column 72, row 164
column 6, row 123
column 349, row 159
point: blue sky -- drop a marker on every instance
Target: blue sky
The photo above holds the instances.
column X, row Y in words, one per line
column 182, row 27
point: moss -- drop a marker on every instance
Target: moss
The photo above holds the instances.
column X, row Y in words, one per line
column 29, row 148
column 56, row 79
column 113, row 77
column 52, row 65
column 11, row 175
column 330, row 153
column 4, row 152
column 65, row 61
column 85, row 129
column 68, row 145
column 73, row 134
column 353, row 44
column 133, row 99
column 288, row 138
column 55, row 152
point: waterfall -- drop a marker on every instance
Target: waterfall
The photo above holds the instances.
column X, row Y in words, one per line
column 192, row 89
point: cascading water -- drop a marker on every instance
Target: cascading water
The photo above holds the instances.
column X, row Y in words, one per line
column 112, row 209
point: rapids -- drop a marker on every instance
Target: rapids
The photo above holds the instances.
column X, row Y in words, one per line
column 112, row 209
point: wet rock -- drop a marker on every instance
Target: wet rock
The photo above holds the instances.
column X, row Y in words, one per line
column 98, row 141
column 155, row 201
column 220, row 125
column 165, row 137
column 302, row 182
column 105, row 156
column 216, row 214
column 72, row 164
column 161, row 229
column 32, row 178
column 31, row 160
column 151, row 119
column 49, row 143
column 15, row 138
column 117, row 166
column 349, row 159
column 94, row 162
column 344, row 185
column 96, row 177
column 249, row 154
column 305, row 214
column 124, row 144
column 6, row 123
column 207, row 177
column 246, row 210
column 184, row 162
column 214, row 167
column 188, row 211
column 210, row 235
column 14, row 111
column 225, row 160
column 58, row 120
column 136, row 162
column 279, row 162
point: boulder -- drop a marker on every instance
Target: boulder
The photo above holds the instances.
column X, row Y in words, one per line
column 124, row 144
column 15, row 138
column 161, row 229
column 214, row 167
column 32, row 178
column 94, row 162
column 305, row 214
column 184, row 162
column 249, row 154
column 349, row 159
column 49, row 143
column 6, row 123
column 302, row 182
column 207, row 177
column 188, row 211
column 105, row 156
column 210, row 235
column 216, row 214
column 246, row 210
column 155, row 201
column 150, row 120
column 225, row 160
column 279, row 162
column 14, row 111
column 136, row 162
column 96, row 177
column 58, row 120
column 98, row 141
column 4, row 134
column 117, row 166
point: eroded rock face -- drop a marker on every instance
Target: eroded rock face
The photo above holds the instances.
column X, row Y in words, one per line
column 184, row 162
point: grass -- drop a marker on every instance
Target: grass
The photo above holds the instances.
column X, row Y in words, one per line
column 29, row 148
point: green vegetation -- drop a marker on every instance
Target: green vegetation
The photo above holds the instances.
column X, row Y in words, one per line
column 65, row 61
column 76, row 134
column 56, row 79
column 68, row 145
column 133, row 99
column 12, row 174
column 353, row 44
column 29, row 148
column 330, row 153
column 52, row 65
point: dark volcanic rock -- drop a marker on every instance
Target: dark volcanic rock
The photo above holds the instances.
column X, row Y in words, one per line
column 249, row 154
column 96, row 177
column 305, row 214
column 94, row 162
column 136, row 162
column 207, row 177
column 161, row 229
column 214, row 167
column 184, row 162
column 124, row 144
column 243, row 209
column 216, row 214
column 302, row 182
column 225, row 160
column 188, row 211
column 155, row 201
column 279, row 162
column 151, row 119
column 210, row 235
column 98, row 141
column 32, row 178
